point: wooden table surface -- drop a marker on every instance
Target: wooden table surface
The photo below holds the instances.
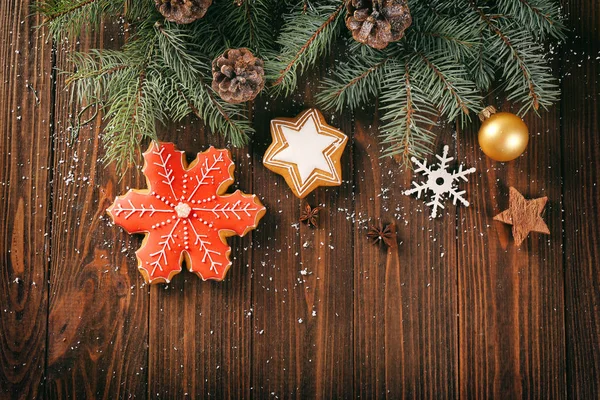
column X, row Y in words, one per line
column 457, row 311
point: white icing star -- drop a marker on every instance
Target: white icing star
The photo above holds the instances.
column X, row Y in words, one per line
column 305, row 149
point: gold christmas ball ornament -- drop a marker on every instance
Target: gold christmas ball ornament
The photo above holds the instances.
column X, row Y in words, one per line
column 503, row 136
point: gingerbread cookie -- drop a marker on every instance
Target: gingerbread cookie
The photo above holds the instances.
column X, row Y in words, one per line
column 185, row 214
column 306, row 152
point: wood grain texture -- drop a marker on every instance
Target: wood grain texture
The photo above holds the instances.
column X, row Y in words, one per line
column 581, row 191
column 511, row 298
column 405, row 309
column 456, row 311
column 302, row 278
column 98, row 310
column 25, row 175
column 200, row 332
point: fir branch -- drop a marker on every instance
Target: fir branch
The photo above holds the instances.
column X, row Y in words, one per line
column 131, row 112
column 189, row 71
column 259, row 20
column 65, row 18
column 139, row 10
column 305, row 37
column 249, row 23
column 121, row 90
column 72, row 8
column 94, row 73
column 407, row 116
column 354, row 82
column 482, row 64
column 447, row 85
column 441, row 8
column 434, row 33
column 540, row 17
column 206, row 36
column 453, row 49
column 306, row 46
column 179, row 52
column 533, row 95
column 130, row 117
column 229, row 120
column 122, row 83
column 528, row 78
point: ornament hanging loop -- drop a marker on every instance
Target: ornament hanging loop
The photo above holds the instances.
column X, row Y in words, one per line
column 487, row 112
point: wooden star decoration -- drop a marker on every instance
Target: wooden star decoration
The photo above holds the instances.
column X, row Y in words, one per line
column 524, row 215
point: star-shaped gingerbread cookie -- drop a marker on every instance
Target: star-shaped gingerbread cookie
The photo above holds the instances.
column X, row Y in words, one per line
column 306, row 151
column 524, row 215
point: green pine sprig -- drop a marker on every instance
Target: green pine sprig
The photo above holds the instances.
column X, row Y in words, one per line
column 408, row 116
column 353, row 82
column 67, row 18
column 306, row 36
column 452, row 55
column 527, row 77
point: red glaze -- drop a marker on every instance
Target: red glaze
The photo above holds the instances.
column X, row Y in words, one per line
column 185, row 213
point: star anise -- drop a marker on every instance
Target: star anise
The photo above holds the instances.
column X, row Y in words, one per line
column 310, row 216
column 383, row 234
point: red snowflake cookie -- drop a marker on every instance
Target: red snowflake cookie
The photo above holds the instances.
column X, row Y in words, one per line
column 185, row 213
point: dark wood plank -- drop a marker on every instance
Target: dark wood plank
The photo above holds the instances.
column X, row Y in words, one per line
column 511, row 299
column 98, row 323
column 302, row 277
column 581, row 190
column 455, row 311
column 25, row 157
column 200, row 332
column 405, row 299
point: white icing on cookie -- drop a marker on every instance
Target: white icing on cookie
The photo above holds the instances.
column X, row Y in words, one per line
column 306, row 152
column 306, row 149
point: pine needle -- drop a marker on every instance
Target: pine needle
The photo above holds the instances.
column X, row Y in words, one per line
column 306, row 36
column 454, row 52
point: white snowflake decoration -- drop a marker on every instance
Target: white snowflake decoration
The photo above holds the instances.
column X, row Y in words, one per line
column 440, row 182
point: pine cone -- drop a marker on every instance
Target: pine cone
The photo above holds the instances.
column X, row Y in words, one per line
column 238, row 75
column 376, row 23
column 182, row 11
